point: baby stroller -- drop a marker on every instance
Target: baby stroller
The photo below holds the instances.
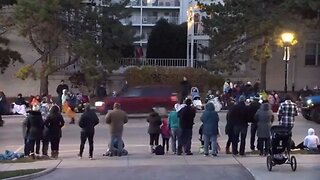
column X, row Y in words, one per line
column 280, row 148
column 196, row 99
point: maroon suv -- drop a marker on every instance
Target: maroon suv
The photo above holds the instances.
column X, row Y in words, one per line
column 140, row 99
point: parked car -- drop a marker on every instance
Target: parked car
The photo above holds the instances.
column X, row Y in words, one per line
column 140, row 99
column 311, row 108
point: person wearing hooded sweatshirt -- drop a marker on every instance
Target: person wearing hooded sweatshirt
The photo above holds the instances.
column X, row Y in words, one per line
column 54, row 122
column 210, row 120
column 165, row 133
column 174, row 127
column 311, row 141
column 264, row 119
column 87, row 122
column 154, row 130
column 34, row 130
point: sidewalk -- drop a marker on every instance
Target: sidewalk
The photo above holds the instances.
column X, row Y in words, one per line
column 249, row 167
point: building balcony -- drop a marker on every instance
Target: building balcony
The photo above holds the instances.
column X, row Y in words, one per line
column 155, row 3
column 177, row 63
column 154, row 19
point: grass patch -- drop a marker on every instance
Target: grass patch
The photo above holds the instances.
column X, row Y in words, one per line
column 21, row 160
column 10, row 174
column 25, row 160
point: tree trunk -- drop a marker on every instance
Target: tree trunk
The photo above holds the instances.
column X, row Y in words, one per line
column 44, row 77
column 44, row 83
column 263, row 75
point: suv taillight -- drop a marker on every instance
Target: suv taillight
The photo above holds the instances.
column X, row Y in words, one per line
column 174, row 98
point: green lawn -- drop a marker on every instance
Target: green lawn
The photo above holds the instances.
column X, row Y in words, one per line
column 21, row 160
column 9, row 174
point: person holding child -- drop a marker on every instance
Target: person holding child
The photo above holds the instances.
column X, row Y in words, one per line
column 210, row 120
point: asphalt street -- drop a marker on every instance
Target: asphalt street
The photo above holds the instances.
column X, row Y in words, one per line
column 140, row 164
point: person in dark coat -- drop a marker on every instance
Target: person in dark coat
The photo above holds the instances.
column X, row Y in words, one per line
column 210, row 120
column 229, row 129
column 185, row 89
column 154, row 129
column 34, row 130
column 238, row 117
column 252, row 109
column 186, row 115
column 264, row 118
column 59, row 90
column 101, row 92
column 54, row 123
column 87, row 122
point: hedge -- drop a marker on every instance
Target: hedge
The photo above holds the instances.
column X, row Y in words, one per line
column 200, row 78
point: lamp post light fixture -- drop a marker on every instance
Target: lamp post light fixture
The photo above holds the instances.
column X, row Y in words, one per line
column 288, row 40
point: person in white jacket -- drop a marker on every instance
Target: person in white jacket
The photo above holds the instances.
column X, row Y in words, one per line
column 311, row 141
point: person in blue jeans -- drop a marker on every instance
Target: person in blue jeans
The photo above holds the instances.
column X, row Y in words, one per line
column 210, row 120
column 239, row 122
column 174, row 127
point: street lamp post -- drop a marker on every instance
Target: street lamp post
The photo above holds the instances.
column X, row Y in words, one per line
column 288, row 40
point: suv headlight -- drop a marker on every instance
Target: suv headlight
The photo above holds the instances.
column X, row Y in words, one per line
column 98, row 103
column 309, row 101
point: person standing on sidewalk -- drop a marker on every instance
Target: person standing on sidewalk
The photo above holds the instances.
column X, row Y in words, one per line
column 174, row 127
column 229, row 128
column 87, row 122
column 165, row 134
column 54, row 123
column 210, row 120
column 287, row 112
column 34, row 130
column 154, row 130
column 116, row 119
column 252, row 109
column 264, row 119
column 238, row 117
column 186, row 116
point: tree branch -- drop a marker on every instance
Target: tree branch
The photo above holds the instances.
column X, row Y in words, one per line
column 34, row 44
column 64, row 65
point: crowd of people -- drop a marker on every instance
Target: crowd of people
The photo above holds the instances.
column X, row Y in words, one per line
column 44, row 122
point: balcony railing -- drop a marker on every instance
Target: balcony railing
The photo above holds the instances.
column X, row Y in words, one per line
column 157, row 3
column 155, row 19
column 139, row 62
column 162, row 62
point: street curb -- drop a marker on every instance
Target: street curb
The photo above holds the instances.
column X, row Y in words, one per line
column 250, row 172
column 35, row 175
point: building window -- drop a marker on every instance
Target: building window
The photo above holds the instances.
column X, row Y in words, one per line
column 312, row 54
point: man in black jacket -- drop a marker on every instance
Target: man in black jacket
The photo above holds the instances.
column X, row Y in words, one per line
column 252, row 109
column 238, row 118
column 186, row 115
column 87, row 122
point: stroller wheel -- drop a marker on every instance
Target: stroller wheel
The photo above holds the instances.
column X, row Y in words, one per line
column 269, row 163
column 293, row 163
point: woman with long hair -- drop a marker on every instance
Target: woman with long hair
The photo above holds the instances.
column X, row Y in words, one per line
column 54, row 123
